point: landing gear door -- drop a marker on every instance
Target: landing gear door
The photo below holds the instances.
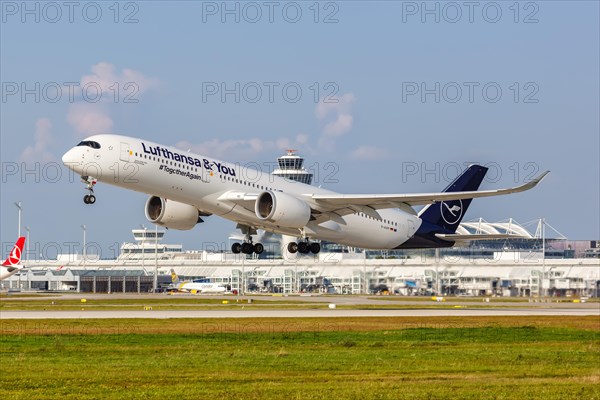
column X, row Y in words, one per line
column 125, row 152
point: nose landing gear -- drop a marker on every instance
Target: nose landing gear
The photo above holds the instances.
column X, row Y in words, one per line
column 90, row 182
column 89, row 199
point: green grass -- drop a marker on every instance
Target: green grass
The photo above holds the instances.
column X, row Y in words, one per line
column 157, row 303
column 301, row 359
column 192, row 302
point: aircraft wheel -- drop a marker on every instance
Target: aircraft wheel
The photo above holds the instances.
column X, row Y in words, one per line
column 236, row 248
column 247, row 248
column 86, row 199
column 292, row 247
column 315, row 248
column 259, row 248
column 303, row 247
column 91, row 199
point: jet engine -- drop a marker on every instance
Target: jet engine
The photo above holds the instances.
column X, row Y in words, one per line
column 171, row 214
column 282, row 209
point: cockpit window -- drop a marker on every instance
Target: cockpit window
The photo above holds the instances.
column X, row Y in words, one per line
column 90, row 143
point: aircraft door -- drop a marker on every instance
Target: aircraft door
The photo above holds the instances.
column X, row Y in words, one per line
column 125, row 154
column 411, row 228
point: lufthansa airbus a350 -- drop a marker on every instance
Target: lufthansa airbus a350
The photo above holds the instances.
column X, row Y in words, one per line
column 185, row 187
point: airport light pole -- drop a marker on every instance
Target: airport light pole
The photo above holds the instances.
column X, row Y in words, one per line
column 20, row 207
column 543, row 221
column 84, row 244
column 27, row 248
column 155, row 257
column 26, row 258
column 437, row 273
column 143, row 243
column 243, row 283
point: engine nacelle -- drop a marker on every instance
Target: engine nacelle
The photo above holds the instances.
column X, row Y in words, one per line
column 282, row 209
column 171, row 214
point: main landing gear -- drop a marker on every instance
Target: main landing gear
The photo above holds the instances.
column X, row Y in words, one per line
column 304, row 247
column 90, row 182
column 247, row 247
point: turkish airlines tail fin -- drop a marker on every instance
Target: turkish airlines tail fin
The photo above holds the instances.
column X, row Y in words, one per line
column 14, row 257
column 448, row 214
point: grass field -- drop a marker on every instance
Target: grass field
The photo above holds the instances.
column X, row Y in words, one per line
column 360, row 358
column 194, row 302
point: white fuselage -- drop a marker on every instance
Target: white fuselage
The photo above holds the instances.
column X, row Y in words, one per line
column 6, row 272
column 202, row 287
column 202, row 181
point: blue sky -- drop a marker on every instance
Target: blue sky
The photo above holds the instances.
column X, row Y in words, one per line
column 419, row 94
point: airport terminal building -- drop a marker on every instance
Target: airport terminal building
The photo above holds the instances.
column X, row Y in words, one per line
column 565, row 269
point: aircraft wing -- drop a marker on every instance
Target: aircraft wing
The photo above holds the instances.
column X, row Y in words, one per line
column 394, row 200
column 333, row 206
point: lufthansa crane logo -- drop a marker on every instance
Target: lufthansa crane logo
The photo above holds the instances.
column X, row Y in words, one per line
column 15, row 256
column 451, row 211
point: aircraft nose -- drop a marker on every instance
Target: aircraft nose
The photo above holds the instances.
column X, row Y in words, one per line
column 70, row 158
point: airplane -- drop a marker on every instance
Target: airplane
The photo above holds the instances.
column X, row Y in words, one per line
column 195, row 286
column 11, row 265
column 184, row 187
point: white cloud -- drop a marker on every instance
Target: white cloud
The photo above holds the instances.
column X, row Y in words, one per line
column 337, row 116
column 43, row 139
column 91, row 116
column 302, row 138
column 343, row 105
column 336, row 120
column 89, row 119
column 300, row 142
column 242, row 149
column 229, row 149
column 340, row 126
column 365, row 152
column 110, row 80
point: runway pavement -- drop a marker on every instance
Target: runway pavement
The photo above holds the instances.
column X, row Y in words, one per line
column 286, row 313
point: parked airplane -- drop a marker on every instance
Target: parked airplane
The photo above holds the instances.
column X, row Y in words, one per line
column 195, row 286
column 11, row 265
column 184, row 187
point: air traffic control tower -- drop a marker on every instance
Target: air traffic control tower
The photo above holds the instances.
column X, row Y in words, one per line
column 291, row 166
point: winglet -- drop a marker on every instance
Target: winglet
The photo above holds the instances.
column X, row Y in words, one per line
column 529, row 185
column 540, row 177
column 14, row 257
